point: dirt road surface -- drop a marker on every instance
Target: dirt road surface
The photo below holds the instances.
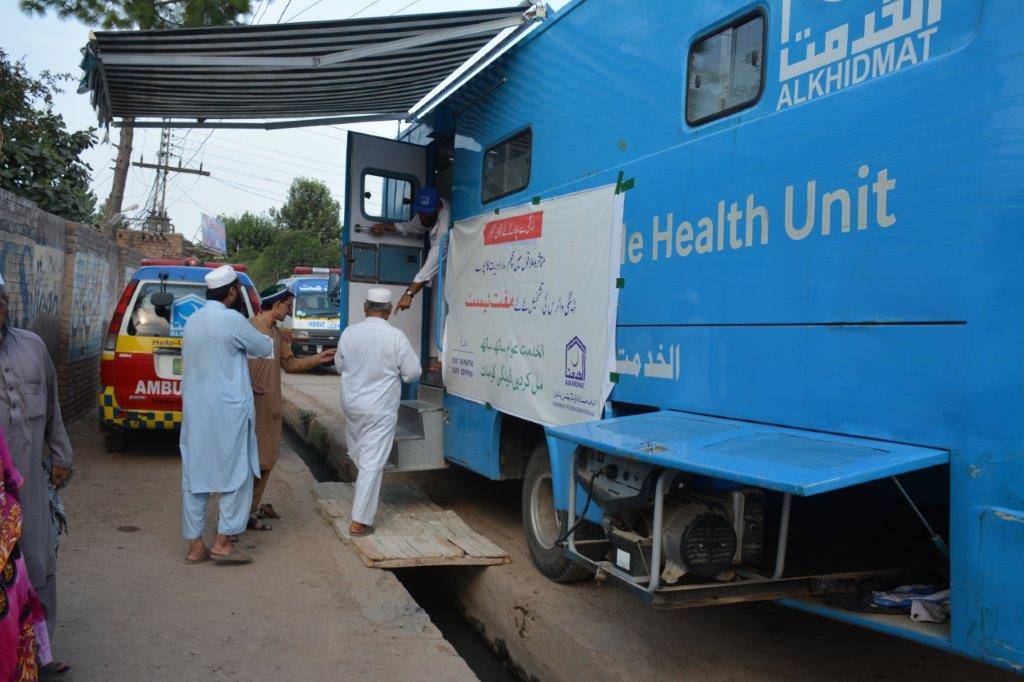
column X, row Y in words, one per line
column 307, row 609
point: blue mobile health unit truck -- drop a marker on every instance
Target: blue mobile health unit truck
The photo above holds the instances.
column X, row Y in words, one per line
column 822, row 235
column 815, row 378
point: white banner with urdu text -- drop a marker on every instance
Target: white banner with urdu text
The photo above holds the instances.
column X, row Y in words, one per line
column 531, row 307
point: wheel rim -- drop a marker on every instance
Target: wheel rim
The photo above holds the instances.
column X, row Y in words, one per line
column 544, row 520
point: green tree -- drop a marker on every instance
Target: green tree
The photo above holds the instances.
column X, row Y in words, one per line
column 290, row 248
column 310, row 208
column 114, row 14
column 248, row 233
column 39, row 157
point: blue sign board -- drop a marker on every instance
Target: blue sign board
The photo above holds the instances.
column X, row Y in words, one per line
column 182, row 309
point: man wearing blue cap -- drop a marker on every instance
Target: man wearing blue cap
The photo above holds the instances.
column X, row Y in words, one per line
column 431, row 216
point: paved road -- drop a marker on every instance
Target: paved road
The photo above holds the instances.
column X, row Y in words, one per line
column 307, row 609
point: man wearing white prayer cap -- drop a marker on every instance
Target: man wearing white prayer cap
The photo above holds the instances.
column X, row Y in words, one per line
column 218, row 435
column 372, row 358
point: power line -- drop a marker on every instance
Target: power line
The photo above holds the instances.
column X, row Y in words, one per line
column 286, row 6
column 285, row 178
column 249, row 189
column 328, row 167
column 295, row 16
column 404, row 8
column 360, row 11
column 287, row 169
column 259, row 5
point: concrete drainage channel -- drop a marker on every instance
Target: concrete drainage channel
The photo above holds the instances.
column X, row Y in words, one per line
column 428, row 587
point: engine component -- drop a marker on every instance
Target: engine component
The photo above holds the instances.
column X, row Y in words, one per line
column 623, row 485
column 748, row 522
column 631, row 552
column 697, row 540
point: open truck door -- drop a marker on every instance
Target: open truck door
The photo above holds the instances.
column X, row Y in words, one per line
column 382, row 178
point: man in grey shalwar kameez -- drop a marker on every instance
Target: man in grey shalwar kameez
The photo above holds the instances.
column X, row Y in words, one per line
column 30, row 419
column 218, row 432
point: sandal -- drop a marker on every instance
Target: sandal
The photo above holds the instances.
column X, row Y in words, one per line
column 235, row 557
column 54, row 668
column 267, row 511
column 255, row 524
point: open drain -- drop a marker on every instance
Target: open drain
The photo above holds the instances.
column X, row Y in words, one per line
column 423, row 584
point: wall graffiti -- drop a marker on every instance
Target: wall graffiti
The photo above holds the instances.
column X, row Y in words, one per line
column 15, row 265
column 90, row 301
column 46, row 292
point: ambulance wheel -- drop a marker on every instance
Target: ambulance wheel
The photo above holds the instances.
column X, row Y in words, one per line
column 543, row 525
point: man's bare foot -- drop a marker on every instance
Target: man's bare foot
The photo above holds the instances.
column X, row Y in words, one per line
column 197, row 552
column 223, row 544
column 224, row 551
column 356, row 528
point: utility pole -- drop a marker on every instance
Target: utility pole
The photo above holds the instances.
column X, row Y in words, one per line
column 124, row 156
column 157, row 219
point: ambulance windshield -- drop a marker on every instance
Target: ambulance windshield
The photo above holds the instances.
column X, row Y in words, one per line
column 315, row 304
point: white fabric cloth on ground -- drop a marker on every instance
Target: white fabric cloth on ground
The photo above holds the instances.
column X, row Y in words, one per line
column 373, row 359
column 233, row 507
column 370, row 438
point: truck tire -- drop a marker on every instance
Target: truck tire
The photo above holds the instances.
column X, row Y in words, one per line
column 542, row 525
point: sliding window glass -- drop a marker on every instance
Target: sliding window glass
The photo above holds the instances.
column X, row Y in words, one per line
column 725, row 70
column 507, row 166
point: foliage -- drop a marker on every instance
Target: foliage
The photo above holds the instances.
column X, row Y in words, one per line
column 39, row 157
column 248, row 233
column 114, row 14
column 310, row 208
column 289, row 248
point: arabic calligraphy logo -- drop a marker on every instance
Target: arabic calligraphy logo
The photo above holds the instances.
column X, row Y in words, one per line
column 895, row 35
column 575, row 360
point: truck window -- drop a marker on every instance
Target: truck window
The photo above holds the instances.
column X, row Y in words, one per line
column 725, row 70
column 507, row 166
column 387, row 197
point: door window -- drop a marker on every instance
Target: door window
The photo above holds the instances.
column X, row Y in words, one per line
column 387, row 197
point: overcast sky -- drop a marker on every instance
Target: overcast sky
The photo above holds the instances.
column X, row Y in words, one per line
column 251, row 170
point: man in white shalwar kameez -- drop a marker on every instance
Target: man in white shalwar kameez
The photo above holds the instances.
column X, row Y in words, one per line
column 218, row 435
column 373, row 358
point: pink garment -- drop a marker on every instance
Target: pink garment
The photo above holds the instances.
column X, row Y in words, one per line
column 44, row 656
column 20, row 610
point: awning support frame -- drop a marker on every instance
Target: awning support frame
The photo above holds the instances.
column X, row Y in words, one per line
column 266, row 125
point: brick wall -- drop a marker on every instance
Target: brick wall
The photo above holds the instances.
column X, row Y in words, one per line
column 63, row 280
column 152, row 245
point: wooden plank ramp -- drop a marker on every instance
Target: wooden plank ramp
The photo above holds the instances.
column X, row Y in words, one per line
column 410, row 530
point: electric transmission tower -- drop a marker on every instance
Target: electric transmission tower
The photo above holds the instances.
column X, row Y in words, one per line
column 157, row 219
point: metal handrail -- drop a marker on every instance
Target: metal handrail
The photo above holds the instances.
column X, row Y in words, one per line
column 442, row 312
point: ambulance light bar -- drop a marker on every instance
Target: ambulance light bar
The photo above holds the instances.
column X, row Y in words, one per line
column 192, row 262
column 305, row 270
